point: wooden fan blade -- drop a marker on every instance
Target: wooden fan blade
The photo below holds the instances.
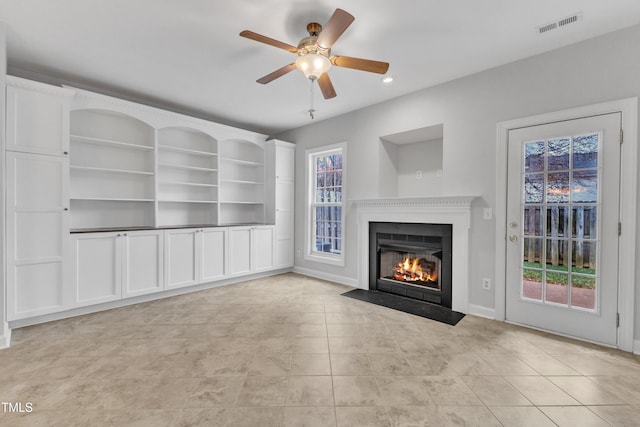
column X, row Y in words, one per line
column 277, row 73
column 268, row 40
column 337, row 24
column 360, row 64
column 326, row 86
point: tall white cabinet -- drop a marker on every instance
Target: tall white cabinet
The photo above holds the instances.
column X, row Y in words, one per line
column 109, row 200
column 280, row 191
column 37, row 177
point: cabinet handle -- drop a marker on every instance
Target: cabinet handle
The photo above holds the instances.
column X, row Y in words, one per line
column 65, row 153
column 124, row 234
column 66, row 209
column 118, row 235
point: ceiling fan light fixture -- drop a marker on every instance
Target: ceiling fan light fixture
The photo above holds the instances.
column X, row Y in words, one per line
column 313, row 65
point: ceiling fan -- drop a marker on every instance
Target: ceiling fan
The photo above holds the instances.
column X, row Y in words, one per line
column 314, row 53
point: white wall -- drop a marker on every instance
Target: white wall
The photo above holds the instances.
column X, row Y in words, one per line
column 594, row 71
column 4, row 330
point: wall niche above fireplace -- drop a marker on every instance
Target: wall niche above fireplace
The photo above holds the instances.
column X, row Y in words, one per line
column 411, row 163
column 412, row 260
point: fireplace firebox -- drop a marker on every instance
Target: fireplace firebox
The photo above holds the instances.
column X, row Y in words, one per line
column 412, row 260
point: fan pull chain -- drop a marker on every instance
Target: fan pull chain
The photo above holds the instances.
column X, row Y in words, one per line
column 311, row 110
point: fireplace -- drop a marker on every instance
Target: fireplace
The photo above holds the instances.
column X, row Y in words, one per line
column 411, row 260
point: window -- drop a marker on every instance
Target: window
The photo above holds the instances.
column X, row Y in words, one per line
column 325, row 199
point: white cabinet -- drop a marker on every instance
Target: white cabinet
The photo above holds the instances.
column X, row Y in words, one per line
column 281, row 161
column 37, row 117
column 142, row 262
column 262, row 248
column 181, row 267
column 250, row 249
column 37, row 233
column 110, row 266
column 239, row 250
column 212, row 256
column 96, row 266
column 194, row 256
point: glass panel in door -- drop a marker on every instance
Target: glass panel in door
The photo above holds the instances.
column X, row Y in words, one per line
column 560, row 209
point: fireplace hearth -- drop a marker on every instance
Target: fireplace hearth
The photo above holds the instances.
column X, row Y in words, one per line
column 412, row 260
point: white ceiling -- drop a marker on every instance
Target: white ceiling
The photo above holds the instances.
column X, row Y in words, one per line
column 186, row 55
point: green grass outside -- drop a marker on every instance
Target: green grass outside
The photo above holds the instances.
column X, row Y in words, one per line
column 560, row 278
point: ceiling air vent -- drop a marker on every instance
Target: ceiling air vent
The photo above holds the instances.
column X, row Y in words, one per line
column 560, row 23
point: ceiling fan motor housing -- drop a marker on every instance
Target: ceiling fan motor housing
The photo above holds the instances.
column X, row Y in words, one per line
column 309, row 45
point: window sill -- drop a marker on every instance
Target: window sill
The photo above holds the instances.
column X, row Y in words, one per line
column 326, row 259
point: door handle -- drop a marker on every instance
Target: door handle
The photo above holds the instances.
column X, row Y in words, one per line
column 513, row 238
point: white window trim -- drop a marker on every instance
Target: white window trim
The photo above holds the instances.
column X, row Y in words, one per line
column 309, row 255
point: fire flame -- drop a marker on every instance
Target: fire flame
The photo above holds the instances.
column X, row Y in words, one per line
column 410, row 270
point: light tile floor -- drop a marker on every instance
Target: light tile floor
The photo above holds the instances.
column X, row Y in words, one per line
column 290, row 351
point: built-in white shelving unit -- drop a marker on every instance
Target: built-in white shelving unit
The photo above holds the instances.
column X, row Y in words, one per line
column 187, row 177
column 242, row 178
column 112, row 170
column 108, row 199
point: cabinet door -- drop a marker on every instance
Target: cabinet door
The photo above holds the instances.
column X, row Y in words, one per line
column 212, row 242
column 285, row 161
column 284, row 209
column 262, row 248
column 284, row 195
column 284, row 224
column 97, row 262
column 37, row 234
column 240, row 250
column 142, row 262
column 37, row 122
column 181, row 264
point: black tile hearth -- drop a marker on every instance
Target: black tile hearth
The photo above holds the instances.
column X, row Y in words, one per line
column 407, row 305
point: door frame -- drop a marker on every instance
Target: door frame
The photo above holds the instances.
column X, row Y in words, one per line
column 628, row 206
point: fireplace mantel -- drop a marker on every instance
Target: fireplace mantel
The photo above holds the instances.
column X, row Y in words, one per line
column 454, row 210
column 463, row 202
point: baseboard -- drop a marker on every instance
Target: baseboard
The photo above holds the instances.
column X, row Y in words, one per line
column 327, row 276
column 5, row 338
column 480, row 311
column 636, row 347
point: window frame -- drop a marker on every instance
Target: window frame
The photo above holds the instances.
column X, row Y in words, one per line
column 310, row 155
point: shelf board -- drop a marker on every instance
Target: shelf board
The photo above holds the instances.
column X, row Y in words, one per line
column 186, row 150
column 239, row 181
column 110, row 143
column 228, row 202
column 194, row 168
column 188, row 201
column 111, row 199
column 241, row 162
column 190, row 184
column 109, row 170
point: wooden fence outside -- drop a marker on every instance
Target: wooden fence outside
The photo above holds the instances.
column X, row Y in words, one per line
column 580, row 227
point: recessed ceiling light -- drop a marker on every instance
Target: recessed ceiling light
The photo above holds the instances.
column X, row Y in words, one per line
column 387, row 79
